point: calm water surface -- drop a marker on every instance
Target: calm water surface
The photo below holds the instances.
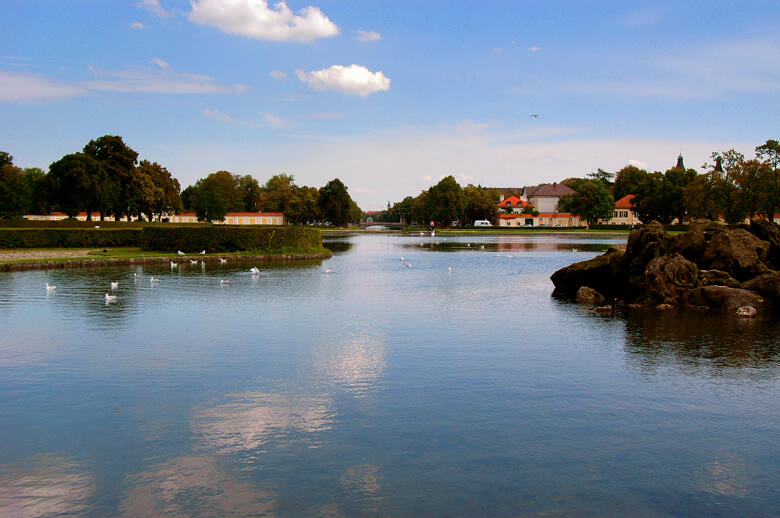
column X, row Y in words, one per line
column 378, row 389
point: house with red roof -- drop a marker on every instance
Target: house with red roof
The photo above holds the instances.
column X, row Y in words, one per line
column 623, row 215
column 513, row 204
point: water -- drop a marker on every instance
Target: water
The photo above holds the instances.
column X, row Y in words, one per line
column 378, row 389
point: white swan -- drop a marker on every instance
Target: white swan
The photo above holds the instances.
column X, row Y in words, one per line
column 114, row 285
column 255, row 270
column 224, row 281
column 153, row 280
column 329, row 270
column 110, row 298
column 50, row 288
column 181, row 253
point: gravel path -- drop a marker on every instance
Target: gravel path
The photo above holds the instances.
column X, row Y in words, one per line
column 18, row 255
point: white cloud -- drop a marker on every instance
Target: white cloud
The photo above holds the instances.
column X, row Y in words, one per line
column 216, row 114
column 278, row 75
column 137, row 25
column 166, row 81
column 534, row 48
column 18, row 87
column 368, row 36
column 154, row 6
column 354, row 79
column 255, row 19
column 275, row 121
column 160, row 63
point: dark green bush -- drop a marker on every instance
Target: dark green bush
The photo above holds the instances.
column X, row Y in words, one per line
column 69, row 238
column 225, row 238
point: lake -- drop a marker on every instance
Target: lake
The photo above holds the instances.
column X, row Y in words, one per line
column 426, row 376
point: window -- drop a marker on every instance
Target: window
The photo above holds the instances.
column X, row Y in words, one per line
column 623, row 213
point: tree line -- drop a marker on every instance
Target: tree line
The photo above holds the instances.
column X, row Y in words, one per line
column 732, row 187
column 106, row 178
column 443, row 204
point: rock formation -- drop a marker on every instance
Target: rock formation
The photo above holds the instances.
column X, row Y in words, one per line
column 711, row 266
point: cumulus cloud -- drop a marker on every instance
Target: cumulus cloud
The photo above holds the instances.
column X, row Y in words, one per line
column 368, row 36
column 137, row 25
column 19, row 87
column 354, row 80
column 154, row 7
column 255, row 19
column 278, row 75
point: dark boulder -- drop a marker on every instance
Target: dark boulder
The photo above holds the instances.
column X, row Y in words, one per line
column 693, row 242
column 767, row 231
column 737, row 252
column 767, row 285
column 587, row 296
column 723, row 298
column 668, row 277
column 603, row 273
column 717, row 278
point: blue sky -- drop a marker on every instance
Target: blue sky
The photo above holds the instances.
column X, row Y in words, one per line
column 390, row 96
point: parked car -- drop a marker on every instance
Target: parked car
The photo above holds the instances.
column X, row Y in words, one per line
column 482, row 223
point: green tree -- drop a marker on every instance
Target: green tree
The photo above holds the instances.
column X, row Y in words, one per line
column 37, row 187
column 420, row 211
column 303, row 206
column 250, row 193
column 335, row 203
column 627, row 180
column 769, row 154
column 479, row 204
column 277, row 193
column 167, row 198
column 76, row 181
column 118, row 161
column 661, row 196
column 14, row 191
column 446, row 201
column 592, row 201
column 6, row 158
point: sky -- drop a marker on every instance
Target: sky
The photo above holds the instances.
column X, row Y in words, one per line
column 390, row 96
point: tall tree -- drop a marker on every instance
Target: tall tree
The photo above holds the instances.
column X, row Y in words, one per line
column 592, row 201
column 627, row 180
column 37, row 187
column 167, row 199
column 277, row 192
column 76, row 181
column 14, row 191
column 118, row 161
column 335, row 203
column 446, row 201
column 769, row 154
column 303, row 206
column 479, row 204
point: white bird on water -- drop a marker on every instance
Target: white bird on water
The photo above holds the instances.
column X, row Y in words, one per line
column 114, row 285
column 329, row 270
column 174, row 265
column 203, row 252
column 223, row 261
column 408, row 265
column 224, row 281
column 153, row 280
column 449, row 268
column 181, row 253
column 110, row 298
column 193, row 261
column 50, row 288
column 255, row 270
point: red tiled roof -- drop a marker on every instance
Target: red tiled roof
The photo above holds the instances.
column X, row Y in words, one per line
column 624, row 202
column 516, row 202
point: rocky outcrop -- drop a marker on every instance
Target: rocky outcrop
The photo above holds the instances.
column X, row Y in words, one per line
column 587, row 296
column 709, row 267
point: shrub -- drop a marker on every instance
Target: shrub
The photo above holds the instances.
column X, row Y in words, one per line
column 69, row 238
column 225, row 238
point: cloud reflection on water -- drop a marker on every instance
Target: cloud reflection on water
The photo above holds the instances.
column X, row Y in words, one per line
column 45, row 485
column 192, row 486
column 356, row 361
column 252, row 419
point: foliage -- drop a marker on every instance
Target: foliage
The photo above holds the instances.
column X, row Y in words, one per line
column 592, row 201
column 69, row 238
column 223, row 238
column 661, row 195
column 627, row 181
column 118, row 194
column 77, row 182
column 336, row 204
column 276, row 194
column 446, row 201
column 14, row 191
column 479, row 204
column 303, row 206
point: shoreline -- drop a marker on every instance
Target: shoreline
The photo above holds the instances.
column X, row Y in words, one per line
column 50, row 264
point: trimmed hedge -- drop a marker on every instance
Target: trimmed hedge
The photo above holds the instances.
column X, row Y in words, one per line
column 226, row 238
column 69, row 238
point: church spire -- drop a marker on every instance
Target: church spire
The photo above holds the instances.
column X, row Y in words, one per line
column 680, row 164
